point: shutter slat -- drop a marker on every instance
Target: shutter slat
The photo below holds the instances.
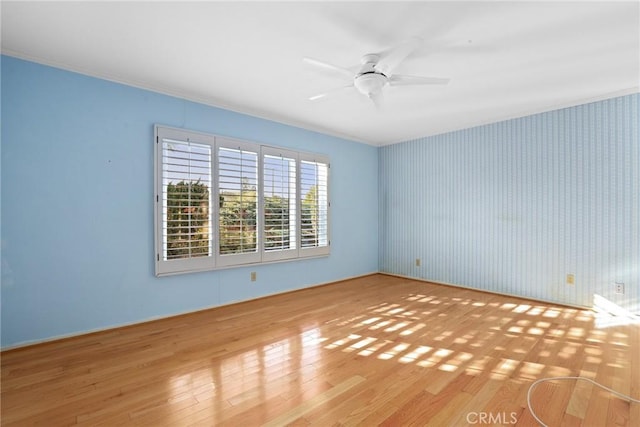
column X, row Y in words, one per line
column 314, row 209
column 237, row 184
column 279, row 188
column 186, row 178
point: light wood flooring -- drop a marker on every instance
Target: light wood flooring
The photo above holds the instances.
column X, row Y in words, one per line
column 377, row 350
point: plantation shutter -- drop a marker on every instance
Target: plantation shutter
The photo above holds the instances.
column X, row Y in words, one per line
column 220, row 202
column 238, row 202
column 184, row 240
column 280, row 204
column 314, row 210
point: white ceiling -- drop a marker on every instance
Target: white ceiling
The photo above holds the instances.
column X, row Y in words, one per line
column 505, row 59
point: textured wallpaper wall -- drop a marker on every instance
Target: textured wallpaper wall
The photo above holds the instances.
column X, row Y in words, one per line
column 514, row 207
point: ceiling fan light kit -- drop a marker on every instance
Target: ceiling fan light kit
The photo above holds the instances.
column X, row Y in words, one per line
column 370, row 83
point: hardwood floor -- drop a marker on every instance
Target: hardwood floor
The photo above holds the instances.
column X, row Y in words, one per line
column 369, row 351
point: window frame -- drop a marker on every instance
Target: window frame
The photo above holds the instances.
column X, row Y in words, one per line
column 215, row 260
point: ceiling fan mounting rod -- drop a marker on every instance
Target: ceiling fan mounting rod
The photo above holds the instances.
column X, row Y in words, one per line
column 370, row 58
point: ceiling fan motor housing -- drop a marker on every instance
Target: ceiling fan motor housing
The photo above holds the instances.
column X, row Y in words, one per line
column 369, row 81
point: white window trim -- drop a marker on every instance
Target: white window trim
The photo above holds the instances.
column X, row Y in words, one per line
column 215, row 260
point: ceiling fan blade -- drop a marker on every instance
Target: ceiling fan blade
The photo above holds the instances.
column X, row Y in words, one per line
column 401, row 80
column 391, row 58
column 328, row 93
column 326, row 66
column 377, row 99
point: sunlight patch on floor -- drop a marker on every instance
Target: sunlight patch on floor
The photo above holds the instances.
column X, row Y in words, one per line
column 609, row 314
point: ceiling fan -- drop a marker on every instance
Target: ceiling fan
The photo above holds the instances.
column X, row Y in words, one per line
column 375, row 72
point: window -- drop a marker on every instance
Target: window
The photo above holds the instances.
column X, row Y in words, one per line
column 280, row 204
column 222, row 202
column 183, row 201
column 315, row 206
column 238, row 195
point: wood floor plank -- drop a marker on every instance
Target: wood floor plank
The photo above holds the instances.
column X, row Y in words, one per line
column 376, row 350
column 474, row 403
column 384, row 383
column 321, row 399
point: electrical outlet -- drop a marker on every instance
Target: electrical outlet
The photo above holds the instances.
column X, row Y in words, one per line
column 418, row 262
column 619, row 288
column 571, row 279
column 254, row 276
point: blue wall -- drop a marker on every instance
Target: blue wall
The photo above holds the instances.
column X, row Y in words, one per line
column 513, row 207
column 77, row 206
